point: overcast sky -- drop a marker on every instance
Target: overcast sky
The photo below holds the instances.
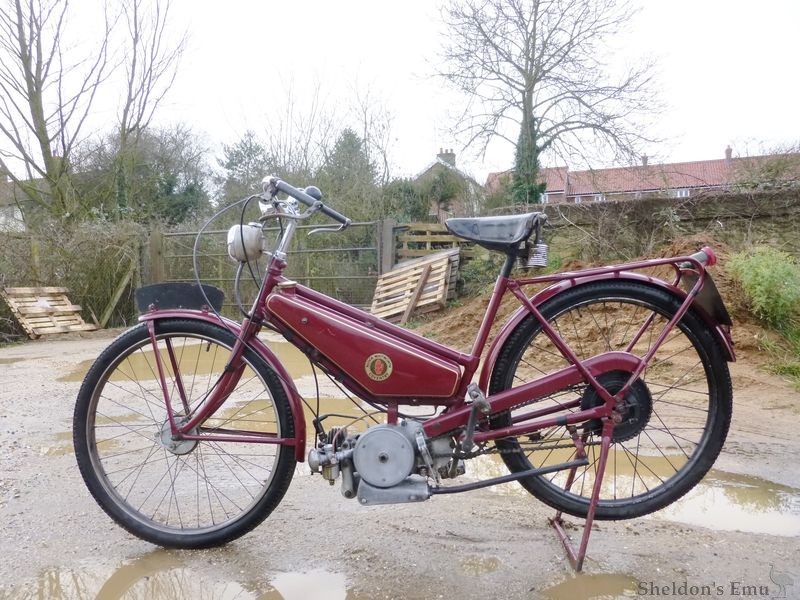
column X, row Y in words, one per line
column 727, row 71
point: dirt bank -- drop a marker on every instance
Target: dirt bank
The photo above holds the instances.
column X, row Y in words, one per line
column 740, row 528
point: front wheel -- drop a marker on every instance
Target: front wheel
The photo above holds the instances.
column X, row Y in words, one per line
column 181, row 494
column 676, row 415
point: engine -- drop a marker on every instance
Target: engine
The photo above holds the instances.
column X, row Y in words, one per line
column 386, row 464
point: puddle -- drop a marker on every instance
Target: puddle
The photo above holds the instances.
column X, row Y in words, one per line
column 346, row 413
column 142, row 364
column 723, row 501
column 732, row 502
column 11, row 361
column 593, row 587
column 62, row 445
column 304, row 586
column 480, row 565
column 161, row 575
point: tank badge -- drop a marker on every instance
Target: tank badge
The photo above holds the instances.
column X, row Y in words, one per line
column 378, row 367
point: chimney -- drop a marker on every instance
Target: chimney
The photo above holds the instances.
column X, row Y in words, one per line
column 644, row 160
column 728, row 154
column 447, row 156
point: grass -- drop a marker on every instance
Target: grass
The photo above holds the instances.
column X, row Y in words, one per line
column 770, row 280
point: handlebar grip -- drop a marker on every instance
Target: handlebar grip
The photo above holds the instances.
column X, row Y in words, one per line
column 705, row 256
column 301, row 196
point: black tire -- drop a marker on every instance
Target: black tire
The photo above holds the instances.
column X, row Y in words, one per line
column 192, row 496
column 663, row 450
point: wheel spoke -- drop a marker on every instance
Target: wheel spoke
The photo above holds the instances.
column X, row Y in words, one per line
column 184, row 488
column 666, row 420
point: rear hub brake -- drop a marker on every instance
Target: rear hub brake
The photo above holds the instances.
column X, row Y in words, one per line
column 633, row 412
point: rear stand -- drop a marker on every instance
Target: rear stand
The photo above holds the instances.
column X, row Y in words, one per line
column 576, row 557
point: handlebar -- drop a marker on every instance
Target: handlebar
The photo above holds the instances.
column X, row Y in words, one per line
column 302, row 196
column 705, row 256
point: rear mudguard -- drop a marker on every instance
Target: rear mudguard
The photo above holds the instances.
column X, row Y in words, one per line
column 718, row 329
column 295, row 400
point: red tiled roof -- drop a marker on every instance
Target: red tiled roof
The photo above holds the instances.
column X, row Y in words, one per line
column 706, row 173
column 493, row 180
column 647, row 178
column 554, row 177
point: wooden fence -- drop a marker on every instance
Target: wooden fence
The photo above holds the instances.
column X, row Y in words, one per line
column 420, row 239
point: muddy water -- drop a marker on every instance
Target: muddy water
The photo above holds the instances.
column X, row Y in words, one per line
column 593, row 587
column 733, row 502
column 62, row 444
column 10, row 361
column 141, row 365
column 723, row 500
column 162, row 575
column 341, row 410
column 480, row 565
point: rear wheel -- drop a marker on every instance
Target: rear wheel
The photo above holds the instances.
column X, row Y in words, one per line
column 181, row 493
column 675, row 418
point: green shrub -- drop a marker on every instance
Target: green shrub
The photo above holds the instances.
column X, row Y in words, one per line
column 477, row 274
column 771, row 282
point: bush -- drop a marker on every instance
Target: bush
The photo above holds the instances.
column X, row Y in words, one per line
column 771, row 282
column 90, row 259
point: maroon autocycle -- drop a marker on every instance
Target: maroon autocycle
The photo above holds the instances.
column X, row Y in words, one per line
column 606, row 395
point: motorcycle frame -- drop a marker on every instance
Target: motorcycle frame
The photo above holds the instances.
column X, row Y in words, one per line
column 454, row 418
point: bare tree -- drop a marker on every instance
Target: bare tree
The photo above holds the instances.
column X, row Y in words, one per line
column 151, row 62
column 301, row 138
column 375, row 124
column 535, row 76
column 45, row 99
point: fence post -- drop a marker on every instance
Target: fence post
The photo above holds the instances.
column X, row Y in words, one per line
column 156, row 244
column 386, row 245
column 35, row 262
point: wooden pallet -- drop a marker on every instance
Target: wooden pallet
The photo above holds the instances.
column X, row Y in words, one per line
column 424, row 239
column 44, row 310
column 420, row 286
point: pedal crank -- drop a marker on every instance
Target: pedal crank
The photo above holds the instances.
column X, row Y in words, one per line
column 479, row 404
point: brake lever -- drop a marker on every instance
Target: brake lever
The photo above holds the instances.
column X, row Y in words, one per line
column 333, row 229
column 297, row 217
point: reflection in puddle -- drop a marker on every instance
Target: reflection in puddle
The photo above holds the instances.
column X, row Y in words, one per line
column 593, row 587
column 303, row 586
column 162, row 575
column 724, row 501
column 141, row 363
column 732, row 502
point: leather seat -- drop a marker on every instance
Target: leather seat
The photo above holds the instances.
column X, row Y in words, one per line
column 503, row 234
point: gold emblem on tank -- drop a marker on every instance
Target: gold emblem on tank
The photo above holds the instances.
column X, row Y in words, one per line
column 378, row 367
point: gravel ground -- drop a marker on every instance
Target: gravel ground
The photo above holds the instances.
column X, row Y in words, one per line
column 56, row 543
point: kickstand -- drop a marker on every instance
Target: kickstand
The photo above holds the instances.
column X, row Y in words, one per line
column 576, row 557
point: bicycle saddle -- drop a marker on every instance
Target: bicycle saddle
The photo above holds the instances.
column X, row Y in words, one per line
column 503, row 234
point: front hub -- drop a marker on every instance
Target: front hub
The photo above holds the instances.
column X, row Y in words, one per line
column 631, row 414
column 168, row 442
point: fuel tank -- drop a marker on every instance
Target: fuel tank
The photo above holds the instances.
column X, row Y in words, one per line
column 383, row 365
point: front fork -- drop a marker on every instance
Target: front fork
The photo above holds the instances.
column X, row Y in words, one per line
column 222, row 389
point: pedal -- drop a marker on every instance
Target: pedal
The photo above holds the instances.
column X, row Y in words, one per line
column 479, row 404
column 479, row 400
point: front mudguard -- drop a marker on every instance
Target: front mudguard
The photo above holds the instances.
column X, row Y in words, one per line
column 719, row 329
column 295, row 400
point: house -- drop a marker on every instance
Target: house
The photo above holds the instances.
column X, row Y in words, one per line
column 678, row 180
column 10, row 214
column 452, row 192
